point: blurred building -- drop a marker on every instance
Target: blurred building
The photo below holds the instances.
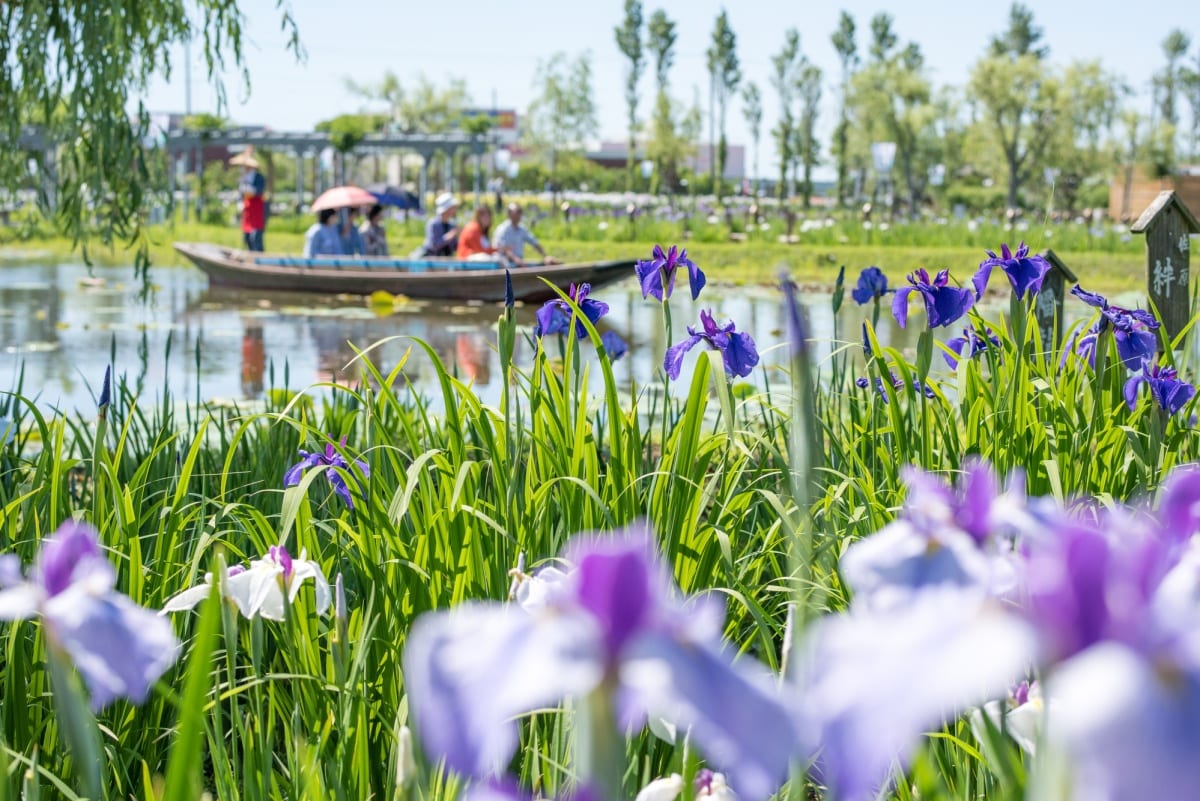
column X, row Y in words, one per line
column 614, row 155
column 1135, row 188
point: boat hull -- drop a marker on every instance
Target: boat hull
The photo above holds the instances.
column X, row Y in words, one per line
column 429, row 279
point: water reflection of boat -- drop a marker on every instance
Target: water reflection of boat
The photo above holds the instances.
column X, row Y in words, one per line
column 345, row 337
column 437, row 279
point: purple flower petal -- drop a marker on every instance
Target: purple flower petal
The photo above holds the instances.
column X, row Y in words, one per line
column 69, row 555
column 469, row 671
column 119, row 648
column 1129, row 727
column 696, row 279
column 673, row 360
column 736, row 715
column 616, row 583
column 873, row 683
column 650, row 277
column 900, row 306
column 1090, row 298
column 946, row 305
column 614, row 346
column 740, row 355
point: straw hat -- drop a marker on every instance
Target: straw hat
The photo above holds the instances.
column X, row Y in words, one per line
column 245, row 159
column 445, row 202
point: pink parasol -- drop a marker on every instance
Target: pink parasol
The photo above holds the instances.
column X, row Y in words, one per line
column 341, row 197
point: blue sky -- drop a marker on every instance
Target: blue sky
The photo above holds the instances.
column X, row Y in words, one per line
column 496, row 47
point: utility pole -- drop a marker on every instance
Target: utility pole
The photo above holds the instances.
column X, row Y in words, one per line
column 187, row 111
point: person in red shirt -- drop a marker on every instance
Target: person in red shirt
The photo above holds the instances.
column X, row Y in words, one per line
column 254, row 213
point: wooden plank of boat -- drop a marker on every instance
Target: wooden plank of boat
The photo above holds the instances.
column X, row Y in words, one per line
column 436, row 279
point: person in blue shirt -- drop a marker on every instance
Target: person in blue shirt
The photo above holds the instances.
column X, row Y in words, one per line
column 322, row 237
column 352, row 242
column 441, row 234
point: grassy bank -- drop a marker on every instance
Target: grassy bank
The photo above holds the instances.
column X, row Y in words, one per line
column 758, row 261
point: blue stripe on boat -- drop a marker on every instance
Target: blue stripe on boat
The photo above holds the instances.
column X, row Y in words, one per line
column 411, row 265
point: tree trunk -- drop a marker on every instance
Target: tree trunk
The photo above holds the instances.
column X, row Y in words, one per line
column 712, row 118
column 1014, row 183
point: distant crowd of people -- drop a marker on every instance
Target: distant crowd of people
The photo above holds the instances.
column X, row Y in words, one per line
column 337, row 232
column 475, row 241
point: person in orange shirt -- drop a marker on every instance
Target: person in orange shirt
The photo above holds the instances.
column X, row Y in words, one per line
column 473, row 242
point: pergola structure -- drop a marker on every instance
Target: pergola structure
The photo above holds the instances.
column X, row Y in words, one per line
column 303, row 144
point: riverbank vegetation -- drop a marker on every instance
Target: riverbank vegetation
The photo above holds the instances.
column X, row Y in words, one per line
column 335, row 524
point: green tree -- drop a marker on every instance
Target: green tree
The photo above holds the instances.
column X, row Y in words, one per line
column 807, row 148
column 432, row 108
column 1169, row 83
column 564, row 113
column 883, row 37
column 1019, row 98
column 785, row 69
column 664, row 146
column 388, row 92
column 847, row 50
column 629, row 42
column 1190, row 82
column 346, row 131
column 1022, row 36
column 752, row 112
column 724, row 74
column 77, row 69
column 1085, row 148
column 892, row 100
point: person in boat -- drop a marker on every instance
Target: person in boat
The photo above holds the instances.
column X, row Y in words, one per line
column 374, row 238
column 253, row 187
column 511, row 237
column 473, row 243
column 352, row 241
column 322, row 238
column 441, row 233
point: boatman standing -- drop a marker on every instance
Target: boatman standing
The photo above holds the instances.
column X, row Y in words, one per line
column 254, row 213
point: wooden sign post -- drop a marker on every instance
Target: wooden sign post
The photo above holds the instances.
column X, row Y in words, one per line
column 1167, row 224
column 1049, row 306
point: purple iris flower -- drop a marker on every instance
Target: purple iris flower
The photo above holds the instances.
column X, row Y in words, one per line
column 1129, row 724
column 614, row 626
column 970, row 343
column 897, row 382
column 871, row 683
column 1133, row 331
column 332, row 459
column 1179, row 505
column 942, row 538
column 872, row 285
column 614, row 345
column 119, row 648
column 1116, row 604
column 555, row 315
column 944, row 304
column 1024, row 272
column 737, row 348
column 657, row 274
column 1168, row 391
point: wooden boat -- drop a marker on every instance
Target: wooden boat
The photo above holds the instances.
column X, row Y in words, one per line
column 435, row 279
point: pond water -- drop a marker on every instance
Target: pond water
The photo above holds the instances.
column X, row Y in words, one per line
column 62, row 324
